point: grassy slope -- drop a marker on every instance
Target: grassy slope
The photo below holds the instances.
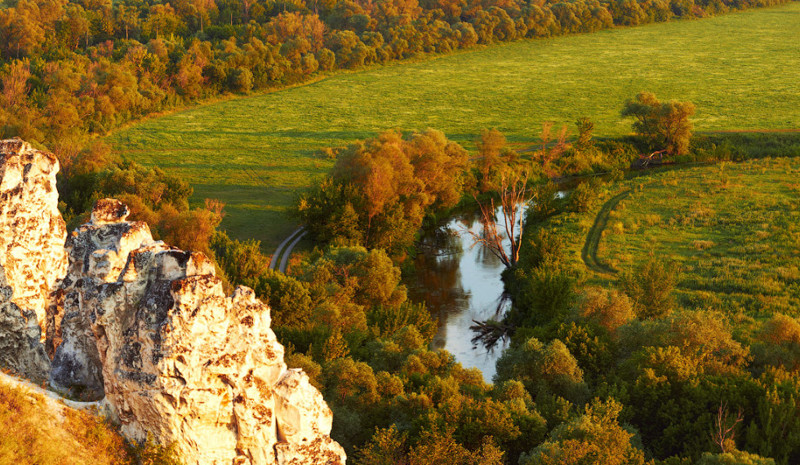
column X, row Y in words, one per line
column 734, row 229
column 37, row 431
column 255, row 153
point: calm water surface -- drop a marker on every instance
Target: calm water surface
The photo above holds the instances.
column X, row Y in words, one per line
column 460, row 283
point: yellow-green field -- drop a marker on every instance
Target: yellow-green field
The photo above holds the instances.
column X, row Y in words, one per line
column 733, row 229
column 255, row 153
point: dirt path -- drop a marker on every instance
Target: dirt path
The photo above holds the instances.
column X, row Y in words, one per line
column 589, row 252
column 276, row 257
column 288, row 252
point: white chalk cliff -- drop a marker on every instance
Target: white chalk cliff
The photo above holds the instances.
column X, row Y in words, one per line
column 98, row 252
column 32, row 256
column 150, row 327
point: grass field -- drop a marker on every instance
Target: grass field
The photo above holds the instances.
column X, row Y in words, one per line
column 733, row 229
column 255, row 153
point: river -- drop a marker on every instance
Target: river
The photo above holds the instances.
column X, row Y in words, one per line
column 460, row 283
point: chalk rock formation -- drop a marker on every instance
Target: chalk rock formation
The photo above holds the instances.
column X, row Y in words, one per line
column 196, row 368
column 20, row 347
column 32, row 257
column 304, row 422
column 150, row 327
column 98, row 252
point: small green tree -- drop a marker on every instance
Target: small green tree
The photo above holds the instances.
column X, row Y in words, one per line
column 663, row 125
column 650, row 288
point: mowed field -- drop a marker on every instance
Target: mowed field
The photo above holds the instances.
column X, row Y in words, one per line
column 741, row 70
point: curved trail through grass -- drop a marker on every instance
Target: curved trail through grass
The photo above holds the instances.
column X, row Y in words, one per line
column 255, row 153
column 276, row 256
column 589, row 252
column 288, row 252
column 732, row 229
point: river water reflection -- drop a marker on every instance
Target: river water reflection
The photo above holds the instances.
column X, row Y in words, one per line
column 460, row 283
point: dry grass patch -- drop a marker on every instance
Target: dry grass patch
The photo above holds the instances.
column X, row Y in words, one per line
column 41, row 431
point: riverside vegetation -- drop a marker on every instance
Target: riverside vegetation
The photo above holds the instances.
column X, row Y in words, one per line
column 637, row 367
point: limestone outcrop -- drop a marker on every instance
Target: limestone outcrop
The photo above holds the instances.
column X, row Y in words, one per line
column 304, row 422
column 32, row 256
column 201, row 370
column 20, row 348
column 98, row 251
column 149, row 327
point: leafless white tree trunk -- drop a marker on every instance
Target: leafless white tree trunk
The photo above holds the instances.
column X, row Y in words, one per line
column 724, row 432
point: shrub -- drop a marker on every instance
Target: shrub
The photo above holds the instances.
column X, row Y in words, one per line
column 650, row 287
column 608, row 308
column 779, row 343
column 583, row 197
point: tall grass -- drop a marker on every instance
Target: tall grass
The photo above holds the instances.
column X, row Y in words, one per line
column 34, row 431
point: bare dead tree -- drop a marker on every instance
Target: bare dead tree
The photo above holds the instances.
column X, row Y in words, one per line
column 551, row 149
column 511, row 196
column 724, row 432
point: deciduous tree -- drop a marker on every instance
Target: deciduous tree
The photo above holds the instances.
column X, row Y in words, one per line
column 663, row 125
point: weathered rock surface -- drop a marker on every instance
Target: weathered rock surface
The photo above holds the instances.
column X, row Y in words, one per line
column 98, row 252
column 304, row 422
column 32, row 257
column 193, row 367
column 150, row 327
column 20, row 347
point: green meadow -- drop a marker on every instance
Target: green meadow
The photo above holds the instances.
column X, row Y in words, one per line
column 255, row 153
column 732, row 229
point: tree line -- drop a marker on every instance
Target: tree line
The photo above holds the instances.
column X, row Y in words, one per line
column 73, row 68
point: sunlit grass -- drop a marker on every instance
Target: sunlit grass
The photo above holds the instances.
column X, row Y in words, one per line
column 33, row 433
column 733, row 229
column 255, row 153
